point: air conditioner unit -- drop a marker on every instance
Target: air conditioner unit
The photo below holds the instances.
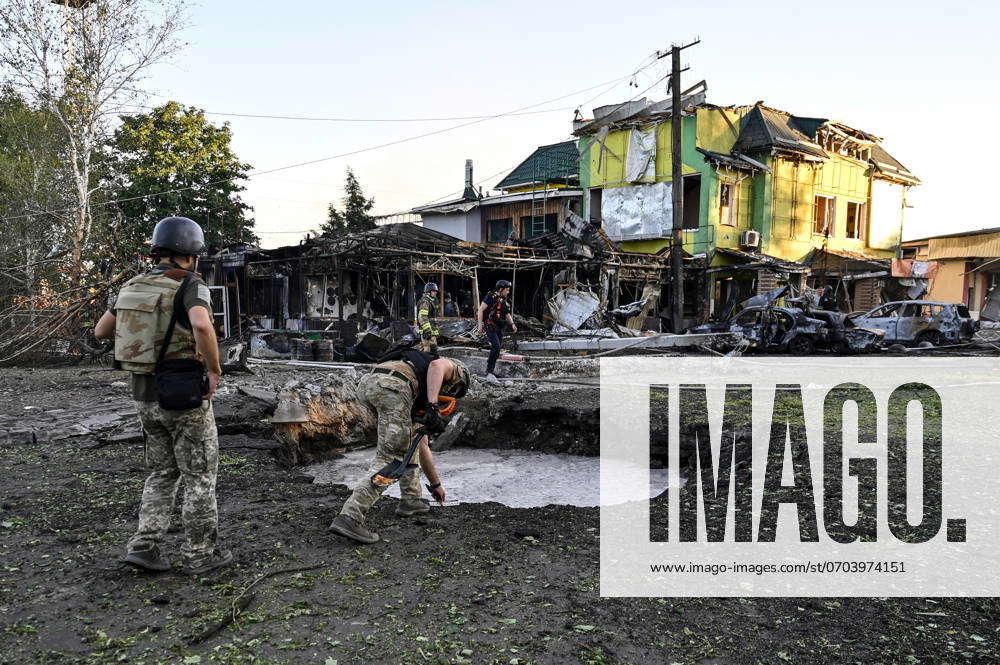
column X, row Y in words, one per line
column 750, row 239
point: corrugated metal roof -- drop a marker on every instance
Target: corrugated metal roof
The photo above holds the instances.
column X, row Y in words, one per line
column 977, row 232
column 980, row 245
column 765, row 260
column 808, row 126
column 460, row 205
column 558, row 162
column 765, row 128
column 562, row 192
column 813, row 256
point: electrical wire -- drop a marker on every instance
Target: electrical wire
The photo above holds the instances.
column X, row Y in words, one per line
column 643, row 65
column 402, row 212
column 361, row 120
column 338, row 156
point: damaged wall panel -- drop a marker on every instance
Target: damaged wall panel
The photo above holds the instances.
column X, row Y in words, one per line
column 643, row 211
column 886, row 215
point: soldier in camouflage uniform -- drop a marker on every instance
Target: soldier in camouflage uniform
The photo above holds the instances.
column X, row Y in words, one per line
column 180, row 445
column 426, row 310
column 392, row 390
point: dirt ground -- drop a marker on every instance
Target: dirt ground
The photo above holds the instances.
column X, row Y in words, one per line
column 473, row 583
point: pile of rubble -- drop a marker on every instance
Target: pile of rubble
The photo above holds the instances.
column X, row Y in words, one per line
column 320, row 419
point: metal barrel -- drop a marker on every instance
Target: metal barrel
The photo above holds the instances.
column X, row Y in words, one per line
column 302, row 349
column 323, row 349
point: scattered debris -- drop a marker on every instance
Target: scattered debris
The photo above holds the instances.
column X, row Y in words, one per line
column 311, row 421
column 792, row 330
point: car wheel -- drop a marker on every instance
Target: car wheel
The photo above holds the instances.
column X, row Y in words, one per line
column 932, row 336
column 801, row 346
column 842, row 349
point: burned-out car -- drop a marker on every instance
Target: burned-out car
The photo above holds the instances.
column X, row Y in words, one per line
column 793, row 330
column 916, row 321
column 844, row 336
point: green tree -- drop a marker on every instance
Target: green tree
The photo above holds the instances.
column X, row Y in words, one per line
column 355, row 215
column 35, row 192
column 172, row 161
column 81, row 62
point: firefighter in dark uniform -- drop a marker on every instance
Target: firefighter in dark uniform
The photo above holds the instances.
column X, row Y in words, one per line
column 493, row 312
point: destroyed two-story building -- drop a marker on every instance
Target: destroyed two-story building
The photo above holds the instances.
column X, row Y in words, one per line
column 769, row 197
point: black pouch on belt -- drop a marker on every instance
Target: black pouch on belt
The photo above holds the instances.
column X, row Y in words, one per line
column 181, row 382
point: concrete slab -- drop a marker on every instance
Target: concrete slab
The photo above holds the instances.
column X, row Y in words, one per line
column 659, row 341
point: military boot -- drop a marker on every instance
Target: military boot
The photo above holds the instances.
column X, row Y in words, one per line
column 347, row 527
column 148, row 559
column 219, row 558
column 410, row 506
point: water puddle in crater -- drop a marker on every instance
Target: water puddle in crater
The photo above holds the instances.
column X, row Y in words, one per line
column 515, row 478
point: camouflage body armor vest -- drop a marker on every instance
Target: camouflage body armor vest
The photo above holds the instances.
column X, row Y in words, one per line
column 142, row 314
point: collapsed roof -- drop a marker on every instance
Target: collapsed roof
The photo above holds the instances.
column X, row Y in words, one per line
column 762, row 129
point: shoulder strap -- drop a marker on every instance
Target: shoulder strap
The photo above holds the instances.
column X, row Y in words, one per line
column 178, row 302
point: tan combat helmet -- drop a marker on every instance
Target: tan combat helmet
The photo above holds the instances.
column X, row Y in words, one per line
column 460, row 382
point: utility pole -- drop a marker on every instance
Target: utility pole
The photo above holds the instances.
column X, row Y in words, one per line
column 677, row 189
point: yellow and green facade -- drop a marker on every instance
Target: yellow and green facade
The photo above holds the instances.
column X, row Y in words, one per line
column 803, row 184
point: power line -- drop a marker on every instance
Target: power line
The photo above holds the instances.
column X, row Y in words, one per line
column 615, row 83
column 450, row 194
column 404, row 212
column 633, row 98
column 644, row 63
column 326, row 119
column 338, row 156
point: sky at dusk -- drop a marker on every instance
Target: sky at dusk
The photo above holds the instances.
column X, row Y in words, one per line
column 921, row 75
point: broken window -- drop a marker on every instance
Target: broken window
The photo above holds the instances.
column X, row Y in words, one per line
column 499, row 230
column 921, row 311
column 748, row 317
column 884, row 312
column 692, row 202
column 857, row 216
column 823, row 215
column 727, row 203
column 538, row 225
column 596, row 196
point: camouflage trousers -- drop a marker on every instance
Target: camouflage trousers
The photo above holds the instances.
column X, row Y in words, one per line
column 180, row 446
column 391, row 399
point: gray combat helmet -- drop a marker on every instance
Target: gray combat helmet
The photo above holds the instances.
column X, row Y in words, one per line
column 430, row 286
column 178, row 235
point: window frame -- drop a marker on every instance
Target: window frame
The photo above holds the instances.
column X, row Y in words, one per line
column 831, row 214
column 527, row 225
column 732, row 205
column 489, row 228
column 861, row 221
